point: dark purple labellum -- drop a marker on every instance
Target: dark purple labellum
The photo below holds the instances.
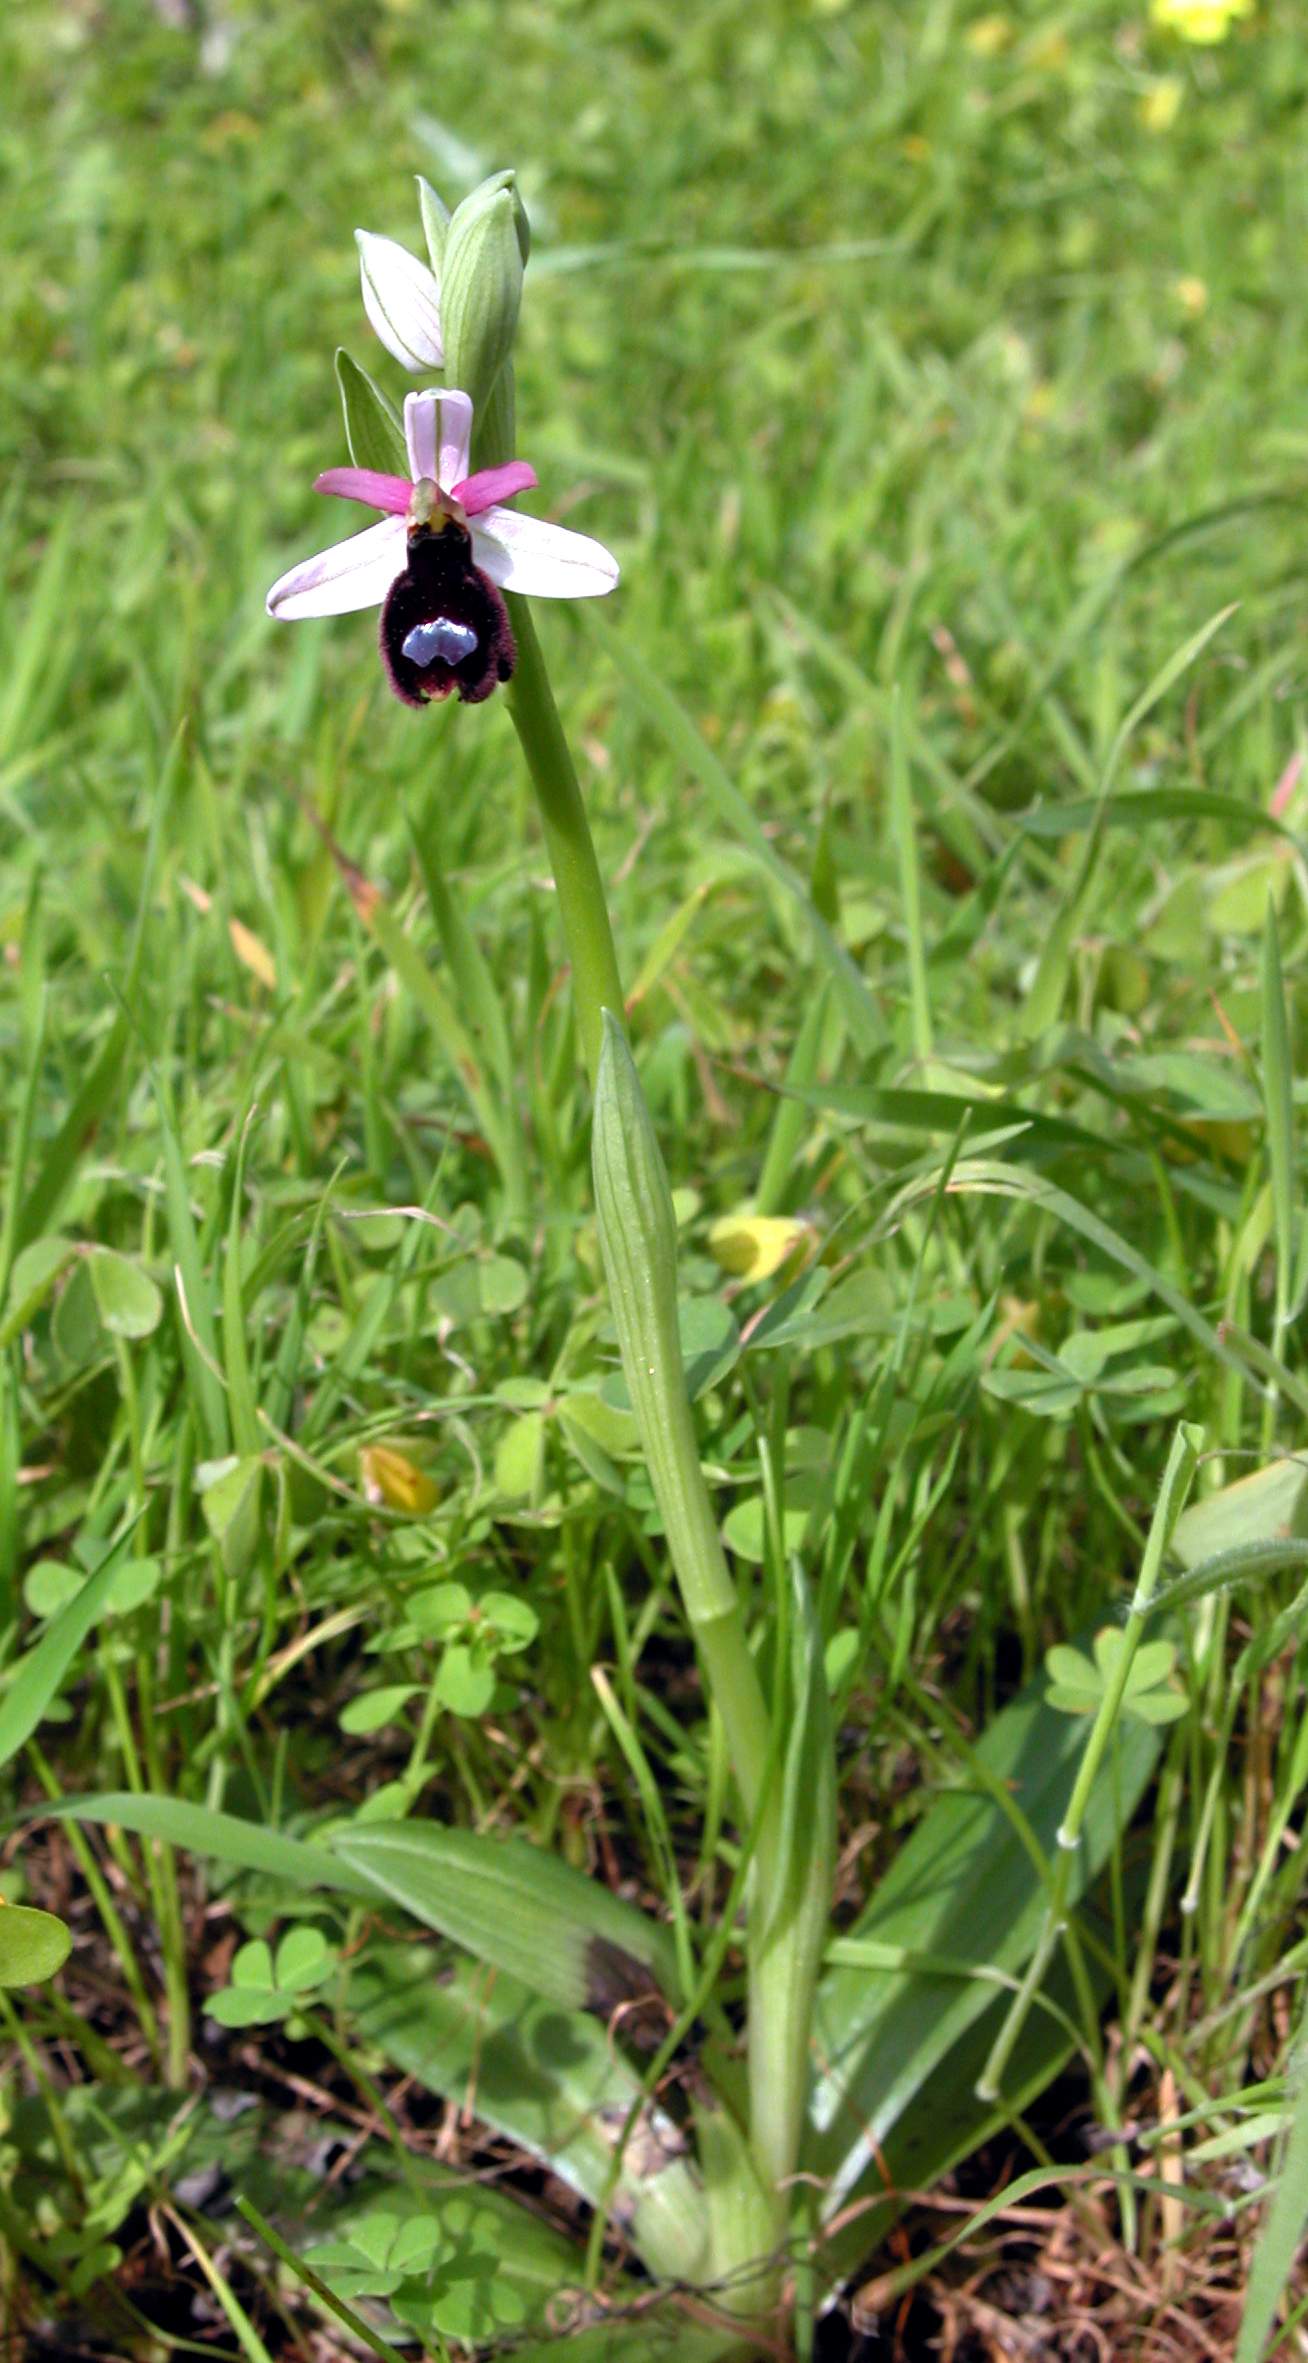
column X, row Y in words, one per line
column 444, row 625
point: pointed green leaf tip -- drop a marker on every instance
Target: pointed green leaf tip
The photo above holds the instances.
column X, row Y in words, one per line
column 435, row 225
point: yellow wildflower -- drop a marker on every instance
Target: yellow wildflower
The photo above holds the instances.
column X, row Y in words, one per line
column 1161, row 103
column 988, row 35
column 1204, row 22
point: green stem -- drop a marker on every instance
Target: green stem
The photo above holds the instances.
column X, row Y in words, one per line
column 638, row 1237
column 596, row 984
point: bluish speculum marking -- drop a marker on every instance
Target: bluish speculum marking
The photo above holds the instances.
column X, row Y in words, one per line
column 444, row 639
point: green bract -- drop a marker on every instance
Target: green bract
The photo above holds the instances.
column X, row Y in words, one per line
column 485, row 250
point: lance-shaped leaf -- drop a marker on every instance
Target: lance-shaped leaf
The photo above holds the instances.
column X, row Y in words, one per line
column 372, row 424
column 964, row 1899
column 224, row 1837
column 517, row 1909
column 948, row 2122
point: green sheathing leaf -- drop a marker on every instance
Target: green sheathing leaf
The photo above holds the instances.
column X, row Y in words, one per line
column 518, row 1909
column 965, row 1886
column 549, row 2079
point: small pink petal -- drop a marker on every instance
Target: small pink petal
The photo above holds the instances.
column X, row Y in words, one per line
column 390, row 493
column 490, row 485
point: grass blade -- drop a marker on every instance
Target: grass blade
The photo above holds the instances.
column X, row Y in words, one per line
column 36, row 1678
column 676, row 727
column 1286, row 2221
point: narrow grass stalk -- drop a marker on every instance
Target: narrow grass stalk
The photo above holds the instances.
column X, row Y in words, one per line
column 904, row 834
column 336, row 2305
column 239, row 2321
column 1278, row 1101
column 1181, row 1464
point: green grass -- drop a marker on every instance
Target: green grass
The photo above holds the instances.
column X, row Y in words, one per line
column 949, row 424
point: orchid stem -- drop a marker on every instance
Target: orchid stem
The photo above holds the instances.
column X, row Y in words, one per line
column 596, row 984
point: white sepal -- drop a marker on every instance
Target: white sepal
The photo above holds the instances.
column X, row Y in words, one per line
column 402, row 301
column 544, row 561
column 352, row 574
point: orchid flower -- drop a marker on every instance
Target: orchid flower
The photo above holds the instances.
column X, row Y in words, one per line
column 437, row 561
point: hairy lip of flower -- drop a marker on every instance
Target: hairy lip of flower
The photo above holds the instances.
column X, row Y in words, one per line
column 444, row 626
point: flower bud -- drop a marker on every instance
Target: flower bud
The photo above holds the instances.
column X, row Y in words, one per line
column 485, row 249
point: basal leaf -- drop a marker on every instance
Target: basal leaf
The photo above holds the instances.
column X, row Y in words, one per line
column 552, row 2080
column 517, row 1908
column 964, row 1885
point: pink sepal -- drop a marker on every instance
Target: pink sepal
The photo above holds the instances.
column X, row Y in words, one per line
column 391, row 493
column 489, row 486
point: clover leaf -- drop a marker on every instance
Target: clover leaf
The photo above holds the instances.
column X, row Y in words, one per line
column 1078, row 1683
